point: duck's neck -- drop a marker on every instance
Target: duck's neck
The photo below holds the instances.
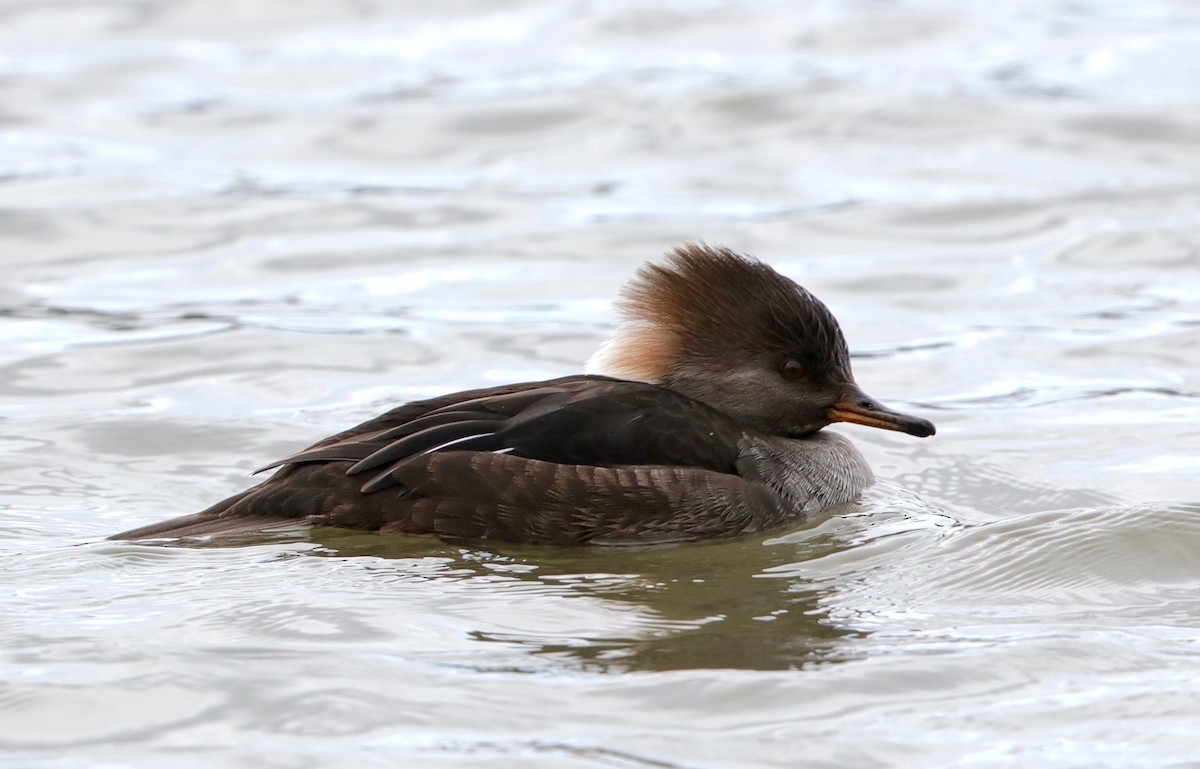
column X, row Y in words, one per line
column 816, row 472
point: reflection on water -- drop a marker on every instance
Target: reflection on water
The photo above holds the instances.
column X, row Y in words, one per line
column 229, row 230
column 702, row 606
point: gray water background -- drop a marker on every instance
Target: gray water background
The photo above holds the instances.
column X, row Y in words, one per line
column 228, row 229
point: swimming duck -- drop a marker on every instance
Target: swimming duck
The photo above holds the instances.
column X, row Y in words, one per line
column 700, row 417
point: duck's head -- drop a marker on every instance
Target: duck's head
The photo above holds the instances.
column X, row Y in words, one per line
column 730, row 331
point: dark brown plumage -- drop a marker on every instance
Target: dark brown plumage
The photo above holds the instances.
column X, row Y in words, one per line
column 724, row 373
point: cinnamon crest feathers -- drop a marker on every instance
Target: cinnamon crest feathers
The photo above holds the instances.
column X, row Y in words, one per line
column 704, row 301
column 700, row 417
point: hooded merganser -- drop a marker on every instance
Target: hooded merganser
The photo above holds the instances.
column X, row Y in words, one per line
column 701, row 417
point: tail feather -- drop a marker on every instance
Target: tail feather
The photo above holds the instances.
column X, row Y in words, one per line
column 222, row 519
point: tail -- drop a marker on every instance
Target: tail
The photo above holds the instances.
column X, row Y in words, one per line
column 222, row 519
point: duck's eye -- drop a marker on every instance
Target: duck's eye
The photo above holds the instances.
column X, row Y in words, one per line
column 791, row 370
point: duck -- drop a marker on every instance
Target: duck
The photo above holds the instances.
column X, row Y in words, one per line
column 702, row 416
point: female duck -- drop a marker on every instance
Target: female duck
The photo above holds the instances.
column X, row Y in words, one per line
column 701, row 417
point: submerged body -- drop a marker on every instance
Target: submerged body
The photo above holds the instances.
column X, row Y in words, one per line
column 724, row 373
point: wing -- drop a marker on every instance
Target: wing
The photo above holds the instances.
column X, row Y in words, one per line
column 592, row 421
column 371, row 431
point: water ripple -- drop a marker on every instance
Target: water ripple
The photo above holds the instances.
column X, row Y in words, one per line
column 1119, row 565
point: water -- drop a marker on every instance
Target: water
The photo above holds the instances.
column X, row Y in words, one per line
column 230, row 229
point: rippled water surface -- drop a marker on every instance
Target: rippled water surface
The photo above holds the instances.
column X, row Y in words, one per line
column 230, row 228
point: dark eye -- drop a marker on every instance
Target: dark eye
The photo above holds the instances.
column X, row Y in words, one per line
column 791, row 370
